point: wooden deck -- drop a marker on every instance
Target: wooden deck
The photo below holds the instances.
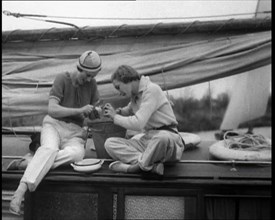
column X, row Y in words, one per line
column 197, row 190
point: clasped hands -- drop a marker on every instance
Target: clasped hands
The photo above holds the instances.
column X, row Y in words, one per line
column 109, row 111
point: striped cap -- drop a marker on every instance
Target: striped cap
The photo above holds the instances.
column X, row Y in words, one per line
column 89, row 61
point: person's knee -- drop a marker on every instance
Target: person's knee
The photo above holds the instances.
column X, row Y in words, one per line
column 75, row 155
column 162, row 140
column 43, row 149
column 109, row 143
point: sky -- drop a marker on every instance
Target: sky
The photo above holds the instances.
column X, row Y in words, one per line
column 111, row 12
column 102, row 13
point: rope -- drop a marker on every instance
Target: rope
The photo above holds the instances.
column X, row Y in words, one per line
column 185, row 29
column 17, row 15
column 9, row 114
column 246, row 142
column 58, row 22
column 224, row 24
column 48, row 30
column 37, row 86
column 148, row 32
column 111, row 35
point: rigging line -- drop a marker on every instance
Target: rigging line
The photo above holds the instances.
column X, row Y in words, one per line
column 183, row 31
column 65, row 23
column 5, row 41
column 114, row 31
column 58, row 22
column 9, row 115
column 17, row 15
column 151, row 30
column 224, row 24
column 48, row 30
column 37, row 85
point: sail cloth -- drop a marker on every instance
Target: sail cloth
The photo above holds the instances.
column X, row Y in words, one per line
column 249, row 98
column 29, row 68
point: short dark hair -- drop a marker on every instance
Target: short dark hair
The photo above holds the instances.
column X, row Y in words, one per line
column 125, row 74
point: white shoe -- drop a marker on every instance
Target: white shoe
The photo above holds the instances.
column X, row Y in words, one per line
column 119, row 167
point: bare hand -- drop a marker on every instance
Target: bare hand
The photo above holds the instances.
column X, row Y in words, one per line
column 109, row 111
column 86, row 110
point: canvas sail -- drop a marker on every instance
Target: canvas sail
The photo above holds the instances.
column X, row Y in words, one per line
column 249, row 98
column 172, row 61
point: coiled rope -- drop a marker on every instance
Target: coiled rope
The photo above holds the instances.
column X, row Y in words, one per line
column 246, row 142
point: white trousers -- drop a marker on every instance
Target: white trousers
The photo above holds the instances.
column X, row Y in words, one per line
column 155, row 146
column 61, row 143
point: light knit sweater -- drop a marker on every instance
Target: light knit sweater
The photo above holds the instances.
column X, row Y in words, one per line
column 150, row 109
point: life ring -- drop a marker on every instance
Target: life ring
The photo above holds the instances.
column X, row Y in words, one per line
column 221, row 151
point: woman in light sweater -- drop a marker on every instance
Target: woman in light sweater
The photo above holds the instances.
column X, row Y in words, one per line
column 148, row 112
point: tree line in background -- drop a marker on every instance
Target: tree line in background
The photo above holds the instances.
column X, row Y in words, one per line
column 207, row 114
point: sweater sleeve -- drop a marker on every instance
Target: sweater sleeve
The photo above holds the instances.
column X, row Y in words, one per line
column 127, row 110
column 150, row 101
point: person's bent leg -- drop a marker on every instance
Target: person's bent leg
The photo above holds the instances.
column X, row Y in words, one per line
column 163, row 146
column 126, row 153
column 72, row 151
column 38, row 167
column 17, row 199
column 43, row 158
column 125, row 150
column 118, row 166
column 156, row 151
column 72, row 146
